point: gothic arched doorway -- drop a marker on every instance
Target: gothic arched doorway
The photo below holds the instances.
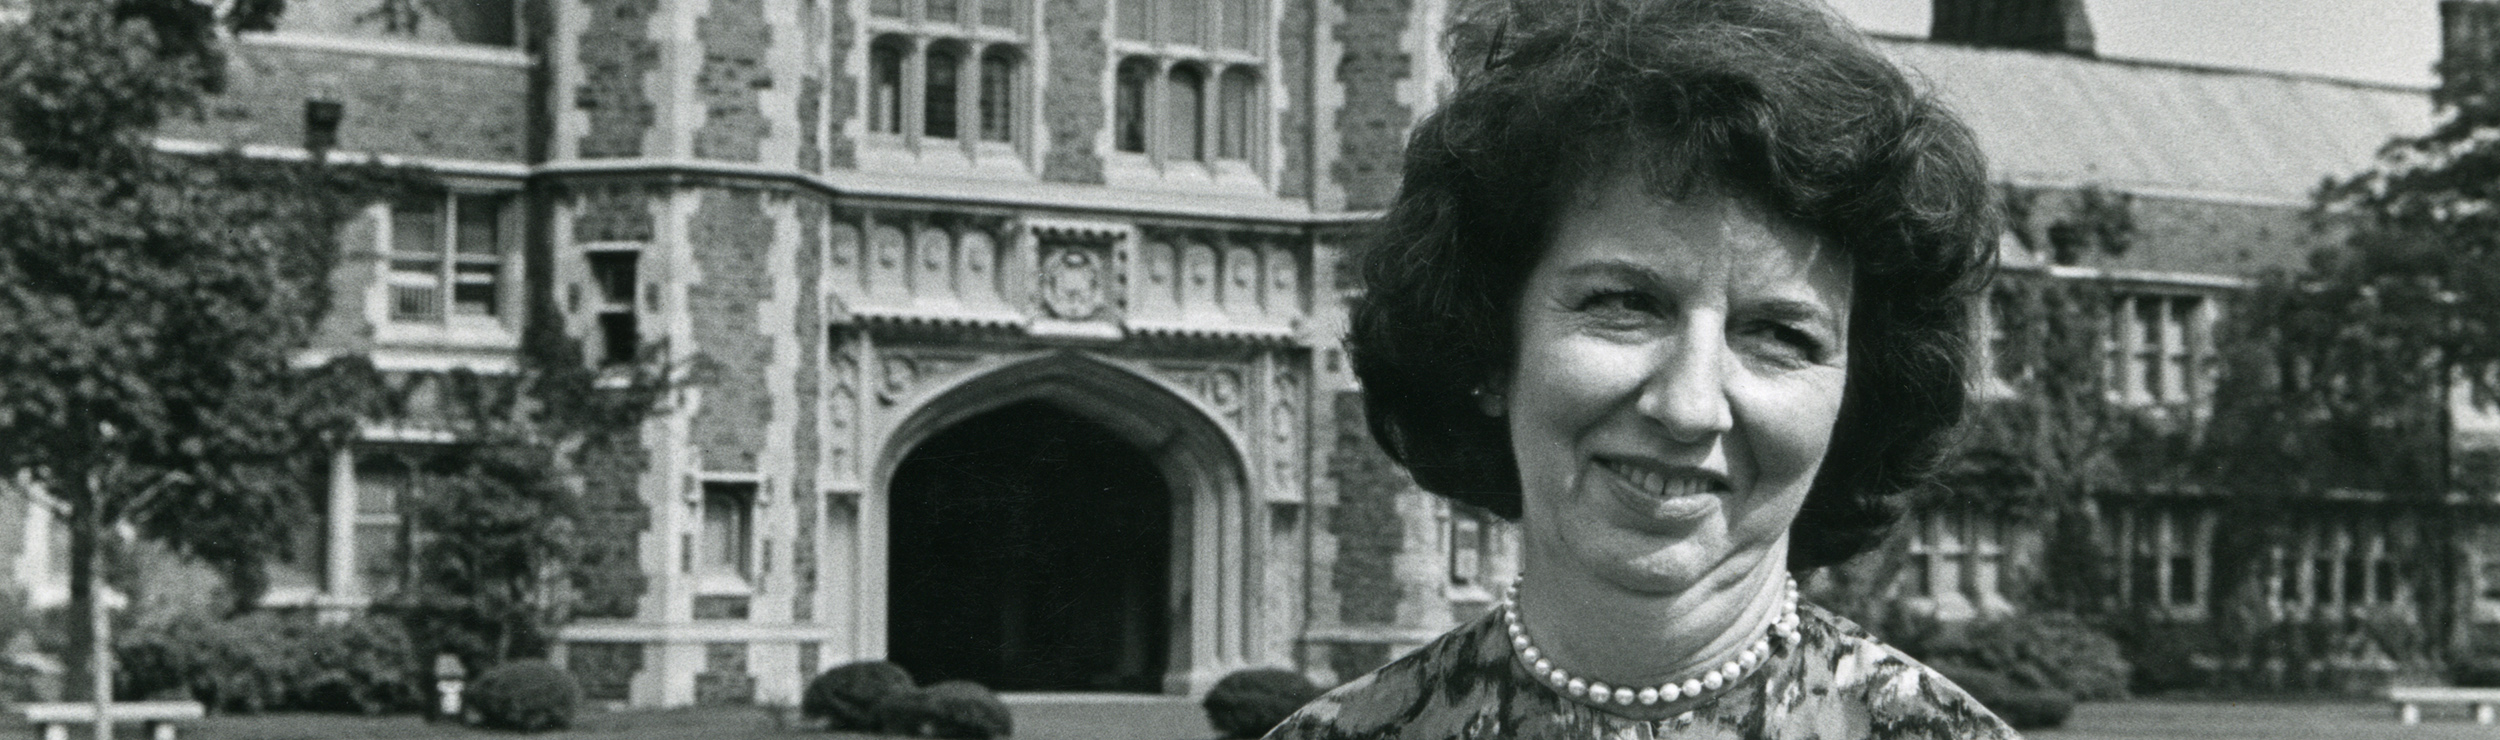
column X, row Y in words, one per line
column 1031, row 550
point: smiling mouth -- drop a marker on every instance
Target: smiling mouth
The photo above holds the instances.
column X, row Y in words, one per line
column 1664, row 494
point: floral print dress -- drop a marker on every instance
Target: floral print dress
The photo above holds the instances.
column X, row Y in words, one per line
column 1835, row 683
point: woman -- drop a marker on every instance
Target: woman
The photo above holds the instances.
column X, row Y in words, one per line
column 1680, row 285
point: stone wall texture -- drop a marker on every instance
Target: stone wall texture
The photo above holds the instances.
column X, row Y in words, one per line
column 1369, row 532
column 1074, row 110
column 1293, row 126
column 735, row 73
column 392, row 104
column 813, row 214
column 841, row 89
column 1371, row 127
column 731, row 237
column 617, row 55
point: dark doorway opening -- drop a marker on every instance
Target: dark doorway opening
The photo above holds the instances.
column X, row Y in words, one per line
column 1031, row 552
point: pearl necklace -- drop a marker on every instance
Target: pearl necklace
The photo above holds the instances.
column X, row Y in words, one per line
column 1600, row 694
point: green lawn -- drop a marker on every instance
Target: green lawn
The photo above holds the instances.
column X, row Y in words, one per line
column 1114, row 719
column 2328, row 719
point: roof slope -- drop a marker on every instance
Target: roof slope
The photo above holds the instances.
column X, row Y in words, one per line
column 2156, row 128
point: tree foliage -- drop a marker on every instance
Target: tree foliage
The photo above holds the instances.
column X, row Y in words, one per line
column 150, row 304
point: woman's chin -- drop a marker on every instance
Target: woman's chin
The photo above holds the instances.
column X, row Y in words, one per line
column 1657, row 571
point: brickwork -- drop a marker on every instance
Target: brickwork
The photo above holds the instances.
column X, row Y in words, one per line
column 731, row 237
column 617, row 55
column 812, row 217
column 392, row 104
column 1369, row 532
column 606, row 669
column 608, row 580
column 724, row 679
column 735, row 40
column 620, row 213
column 841, row 88
column 1293, row 62
column 2217, row 239
column 1371, row 127
column 811, row 124
column 1073, row 111
column 723, row 607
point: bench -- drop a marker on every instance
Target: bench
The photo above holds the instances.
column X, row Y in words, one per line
column 2409, row 701
column 56, row 717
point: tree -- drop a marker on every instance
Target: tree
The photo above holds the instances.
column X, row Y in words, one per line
column 500, row 528
column 2379, row 333
column 149, row 304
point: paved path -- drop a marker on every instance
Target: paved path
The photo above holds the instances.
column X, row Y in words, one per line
column 2255, row 720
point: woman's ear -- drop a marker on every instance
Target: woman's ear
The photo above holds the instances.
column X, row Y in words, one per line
column 1493, row 396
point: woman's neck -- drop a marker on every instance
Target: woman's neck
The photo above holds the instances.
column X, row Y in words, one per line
column 1608, row 633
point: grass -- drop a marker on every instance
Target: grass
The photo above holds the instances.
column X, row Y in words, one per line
column 2250, row 719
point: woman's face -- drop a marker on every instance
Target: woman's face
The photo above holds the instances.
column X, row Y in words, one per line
column 1679, row 371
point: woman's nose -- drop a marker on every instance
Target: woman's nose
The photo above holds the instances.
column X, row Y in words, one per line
column 1687, row 389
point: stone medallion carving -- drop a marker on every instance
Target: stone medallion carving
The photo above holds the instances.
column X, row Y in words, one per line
column 1219, row 387
column 902, row 375
column 1075, row 281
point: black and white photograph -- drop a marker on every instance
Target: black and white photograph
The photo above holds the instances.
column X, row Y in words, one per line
column 1236, row 369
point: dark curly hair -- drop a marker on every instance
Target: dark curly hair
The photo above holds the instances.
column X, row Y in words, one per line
column 1772, row 100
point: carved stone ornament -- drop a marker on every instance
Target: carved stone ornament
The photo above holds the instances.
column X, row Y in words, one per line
column 1075, row 282
column 1217, row 386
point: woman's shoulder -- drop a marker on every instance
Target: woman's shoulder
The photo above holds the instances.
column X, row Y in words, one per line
column 1438, row 690
column 1898, row 696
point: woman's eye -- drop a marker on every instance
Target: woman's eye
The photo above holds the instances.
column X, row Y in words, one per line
column 1619, row 305
column 1788, row 344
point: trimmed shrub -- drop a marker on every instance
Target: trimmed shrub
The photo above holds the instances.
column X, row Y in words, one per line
column 846, row 696
column 525, row 695
column 364, row 666
column 1246, row 704
column 264, row 661
column 2041, row 651
column 238, row 665
column 2480, row 671
column 955, row 710
column 2024, row 708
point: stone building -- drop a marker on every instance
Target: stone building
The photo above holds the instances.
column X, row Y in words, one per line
column 1024, row 314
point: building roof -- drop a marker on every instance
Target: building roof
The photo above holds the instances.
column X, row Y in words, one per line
column 2163, row 129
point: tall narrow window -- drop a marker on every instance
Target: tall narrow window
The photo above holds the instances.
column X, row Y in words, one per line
column 938, row 111
column 1235, row 102
column 1466, row 549
column 942, row 11
column 998, row 13
column 1186, row 121
column 885, row 87
column 620, row 332
column 886, row 8
column 417, row 260
column 998, row 88
column 1129, row 105
column 383, row 483
column 728, row 529
column 477, row 249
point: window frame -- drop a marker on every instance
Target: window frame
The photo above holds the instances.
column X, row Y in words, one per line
column 450, row 261
column 1207, row 51
column 973, row 39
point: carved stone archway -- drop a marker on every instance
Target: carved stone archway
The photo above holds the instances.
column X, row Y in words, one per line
column 1211, row 604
